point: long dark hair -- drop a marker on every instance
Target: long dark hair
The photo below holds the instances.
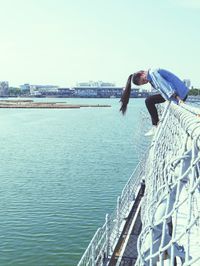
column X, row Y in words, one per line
column 126, row 95
column 127, row 91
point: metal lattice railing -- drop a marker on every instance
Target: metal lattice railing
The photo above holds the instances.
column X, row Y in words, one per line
column 105, row 239
column 171, row 205
column 171, row 209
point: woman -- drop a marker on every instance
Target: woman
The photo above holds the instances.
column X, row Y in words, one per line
column 170, row 88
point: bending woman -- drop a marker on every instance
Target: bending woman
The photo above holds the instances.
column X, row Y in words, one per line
column 169, row 86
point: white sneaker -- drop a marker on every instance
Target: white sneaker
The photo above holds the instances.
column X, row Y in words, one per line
column 151, row 132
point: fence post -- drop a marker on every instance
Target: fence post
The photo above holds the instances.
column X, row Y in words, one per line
column 93, row 254
column 129, row 197
column 107, row 236
column 118, row 214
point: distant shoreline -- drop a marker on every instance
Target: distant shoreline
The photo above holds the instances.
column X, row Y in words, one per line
column 44, row 105
column 78, row 97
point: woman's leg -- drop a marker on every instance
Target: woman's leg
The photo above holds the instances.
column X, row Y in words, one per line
column 151, row 102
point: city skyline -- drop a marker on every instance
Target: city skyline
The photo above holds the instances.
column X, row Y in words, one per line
column 92, row 83
column 65, row 42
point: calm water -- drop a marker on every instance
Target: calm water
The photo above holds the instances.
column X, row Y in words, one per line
column 61, row 172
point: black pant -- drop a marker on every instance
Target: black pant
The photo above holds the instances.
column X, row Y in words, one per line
column 151, row 102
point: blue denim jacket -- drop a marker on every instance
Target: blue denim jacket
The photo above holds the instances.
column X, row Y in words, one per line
column 167, row 84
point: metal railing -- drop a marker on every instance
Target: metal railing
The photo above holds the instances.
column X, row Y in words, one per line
column 171, row 209
column 171, row 205
column 105, row 239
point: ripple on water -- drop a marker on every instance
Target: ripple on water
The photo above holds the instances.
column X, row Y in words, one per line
column 61, row 172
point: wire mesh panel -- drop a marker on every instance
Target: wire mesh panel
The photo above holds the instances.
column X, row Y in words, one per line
column 171, row 205
column 106, row 238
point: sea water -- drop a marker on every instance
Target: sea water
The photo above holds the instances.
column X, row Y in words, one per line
column 61, row 171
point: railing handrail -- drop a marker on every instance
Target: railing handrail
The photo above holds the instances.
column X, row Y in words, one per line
column 162, row 183
column 172, row 181
column 125, row 200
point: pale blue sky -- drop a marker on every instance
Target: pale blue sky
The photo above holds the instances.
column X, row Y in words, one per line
column 64, row 41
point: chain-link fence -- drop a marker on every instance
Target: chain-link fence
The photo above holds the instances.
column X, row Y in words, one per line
column 171, row 206
column 106, row 238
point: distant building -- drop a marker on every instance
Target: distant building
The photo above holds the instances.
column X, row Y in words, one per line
column 96, row 89
column 102, row 89
column 95, row 84
column 43, row 89
column 66, row 92
column 4, row 88
column 109, row 92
